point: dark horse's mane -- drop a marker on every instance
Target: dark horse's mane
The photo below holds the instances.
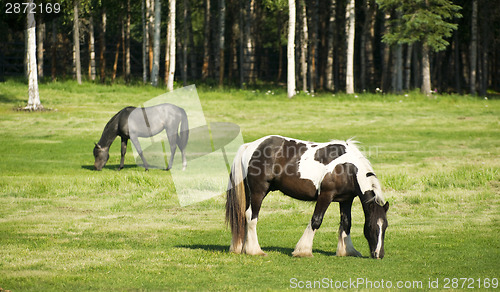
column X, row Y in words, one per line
column 111, row 129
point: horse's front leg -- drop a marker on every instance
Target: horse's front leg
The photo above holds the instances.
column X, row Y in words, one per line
column 345, row 246
column 304, row 246
column 137, row 146
column 124, row 151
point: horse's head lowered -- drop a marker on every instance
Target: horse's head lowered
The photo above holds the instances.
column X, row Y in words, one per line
column 375, row 225
column 101, row 155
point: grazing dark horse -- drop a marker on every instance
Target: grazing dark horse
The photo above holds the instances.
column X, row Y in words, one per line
column 322, row 172
column 132, row 123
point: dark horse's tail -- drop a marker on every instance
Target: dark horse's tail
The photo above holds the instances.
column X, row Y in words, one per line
column 184, row 131
column 236, row 203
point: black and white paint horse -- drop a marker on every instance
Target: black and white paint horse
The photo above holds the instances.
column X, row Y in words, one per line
column 322, row 172
column 132, row 123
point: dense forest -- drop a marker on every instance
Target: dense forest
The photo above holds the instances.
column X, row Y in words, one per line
column 244, row 43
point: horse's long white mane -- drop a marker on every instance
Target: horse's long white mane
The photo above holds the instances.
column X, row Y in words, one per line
column 366, row 183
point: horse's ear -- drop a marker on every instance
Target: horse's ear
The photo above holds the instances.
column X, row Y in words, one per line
column 386, row 206
column 97, row 145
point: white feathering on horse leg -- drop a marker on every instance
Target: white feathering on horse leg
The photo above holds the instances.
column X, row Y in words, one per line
column 304, row 246
column 251, row 245
column 345, row 246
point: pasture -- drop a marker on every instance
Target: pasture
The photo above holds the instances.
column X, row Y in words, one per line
column 65, row 227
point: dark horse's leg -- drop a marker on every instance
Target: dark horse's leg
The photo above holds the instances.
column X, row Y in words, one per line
column 124, row 150
column 137, row 146
column 257, row 195
column 304, row 246
column 345, row 246
column 172, row 140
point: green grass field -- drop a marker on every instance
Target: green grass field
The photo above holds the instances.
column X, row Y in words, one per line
column 65, row 227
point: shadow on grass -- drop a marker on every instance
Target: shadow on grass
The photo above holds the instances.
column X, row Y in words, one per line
column 225, row 248
column 111, row 166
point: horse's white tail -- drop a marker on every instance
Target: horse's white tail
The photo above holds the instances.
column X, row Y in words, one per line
column 367, row 179
column 236, row 202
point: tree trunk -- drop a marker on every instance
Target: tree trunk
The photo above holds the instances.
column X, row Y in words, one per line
column 76, row 42
column 185, row 33
column 102, row 57
column 456, row 60
column 167, row 53
column 145, row 42
column 291, row 50
column 313, row 53
column 156, row 44
column 222, row 31
column 127, row 44
column 171, row 28
column 350, row 30
column 386, row 51
column 123, row 48
column 305, row 41
column 330, row 85
column 151, row 28
column 33, row 95
column 426, row 70
column 91, row 49
column 249, row 47
column 280, row 49
column 367, row 37
column 206, row 42
column 54, row 50
column 473, row 50
column 40, row 39
column 397, row 76
column 117, row 55
column 409, row 52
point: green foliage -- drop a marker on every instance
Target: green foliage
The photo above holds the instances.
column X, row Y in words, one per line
column 67, row 228
column 419, row 20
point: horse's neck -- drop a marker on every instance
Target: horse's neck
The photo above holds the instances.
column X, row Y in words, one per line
column 108, row 136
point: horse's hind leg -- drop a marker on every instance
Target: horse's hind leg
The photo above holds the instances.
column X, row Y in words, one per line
column 345, row 246
column 172, row 140
column 252, row 246
column 304, row 246
column 137, row 146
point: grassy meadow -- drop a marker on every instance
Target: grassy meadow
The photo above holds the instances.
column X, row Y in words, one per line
column 64, row 227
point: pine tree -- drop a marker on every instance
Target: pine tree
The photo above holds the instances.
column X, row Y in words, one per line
column 421, row 21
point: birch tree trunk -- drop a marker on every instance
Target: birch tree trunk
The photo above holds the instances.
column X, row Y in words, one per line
column 290, row 80
column 76, row 42
column 426, row 70
column 171, row 28
column 473, row 49
column 331, row 49
column 91, row 49
column 156, row 44
column 40, row 38
column 350, row 30
column 33, row 95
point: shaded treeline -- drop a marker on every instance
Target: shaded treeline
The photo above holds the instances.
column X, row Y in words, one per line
column 117, row 41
